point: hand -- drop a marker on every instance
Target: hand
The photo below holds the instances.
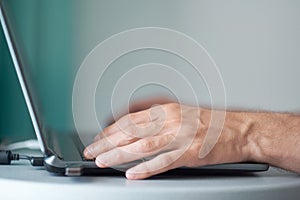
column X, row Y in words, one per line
column 174, row 134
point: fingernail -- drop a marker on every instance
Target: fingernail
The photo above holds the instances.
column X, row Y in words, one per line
column 87, row 153
column 100, row 163
column 130, row 175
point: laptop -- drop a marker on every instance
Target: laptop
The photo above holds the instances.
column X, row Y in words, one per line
column 63, row 152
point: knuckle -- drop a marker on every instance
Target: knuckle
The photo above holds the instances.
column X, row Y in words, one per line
column 130, row 132
column 121, row 139
column 106, row 131
column 127, row 138
column 130, row 117
column 133, row 116
column 123, row 121
column 145, row 146
column 173, row 106
column 115, row 143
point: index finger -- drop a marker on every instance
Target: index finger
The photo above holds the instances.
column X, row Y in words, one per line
column 131, row 119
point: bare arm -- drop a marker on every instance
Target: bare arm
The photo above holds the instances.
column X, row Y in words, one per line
column 275, row 139
column 175, row 134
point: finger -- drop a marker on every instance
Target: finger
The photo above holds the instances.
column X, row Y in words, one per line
column 131, row 119
column 127, row 136
column 155, row 113
column 97, row 137
column 137, row 150
column 142, row 130
column 106, row 144
column 157, row 165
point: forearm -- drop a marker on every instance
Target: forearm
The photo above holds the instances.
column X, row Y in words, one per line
column 275, row 139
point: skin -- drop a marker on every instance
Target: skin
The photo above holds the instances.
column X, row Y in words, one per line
column 173, row 135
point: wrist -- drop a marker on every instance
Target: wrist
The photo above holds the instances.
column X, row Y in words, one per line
column 268, row 138
column 233, row 144
column 238, row 131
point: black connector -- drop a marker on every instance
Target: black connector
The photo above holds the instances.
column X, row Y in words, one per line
column 7, row 156
column 37, row 161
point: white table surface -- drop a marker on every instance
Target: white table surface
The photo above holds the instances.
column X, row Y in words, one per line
column 22, row 181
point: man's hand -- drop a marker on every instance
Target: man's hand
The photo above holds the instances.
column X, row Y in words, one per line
column 174, row 133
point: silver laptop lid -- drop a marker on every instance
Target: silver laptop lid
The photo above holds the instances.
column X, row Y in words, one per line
column 30, row 99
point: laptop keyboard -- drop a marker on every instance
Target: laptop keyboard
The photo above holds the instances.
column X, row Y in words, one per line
column 79, row 146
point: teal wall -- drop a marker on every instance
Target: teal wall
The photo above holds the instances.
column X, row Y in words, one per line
column 14, row 118
column 43, row 31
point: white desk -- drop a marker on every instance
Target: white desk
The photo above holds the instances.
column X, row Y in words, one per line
column 21, row 181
